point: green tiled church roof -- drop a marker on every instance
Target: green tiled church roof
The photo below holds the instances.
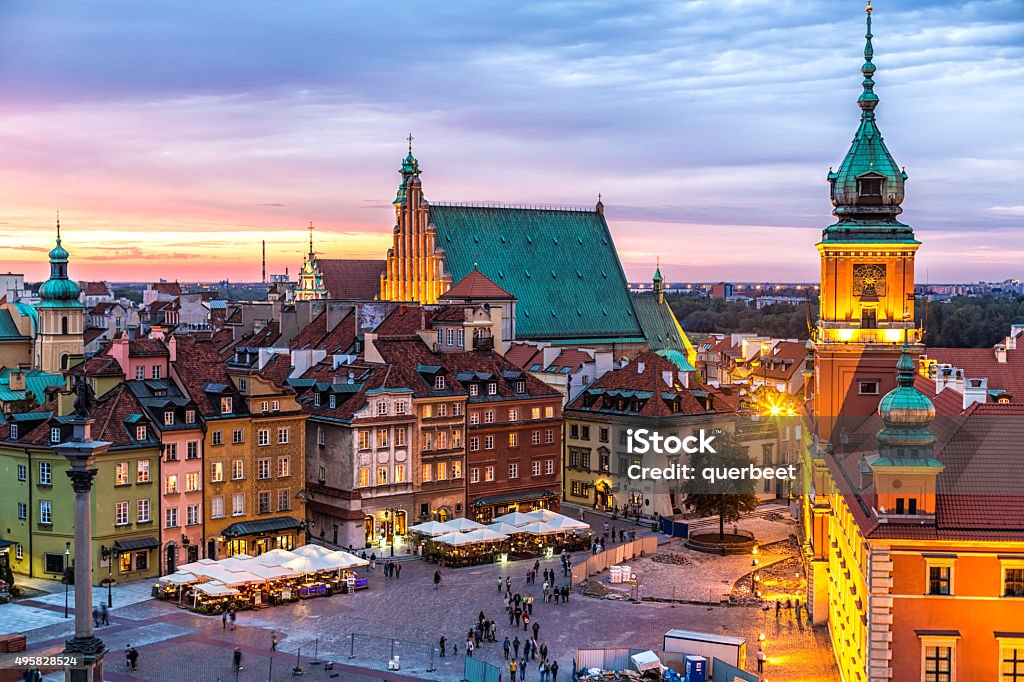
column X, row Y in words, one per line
column 560, row 264
column 658, row 323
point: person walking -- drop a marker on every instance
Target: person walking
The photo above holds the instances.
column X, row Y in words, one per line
column 373, row 560
column 506, row 645
column 553, row 669
column 508, row 584
column 273, row 640
column 398, row 570
column 224, row 620
column 236, row 660
column 544, row 651
column 499, row 584
column 469, row 647
column 127, row 657
column 526, row 621
column 437, row 579
column 760, row 660
column 104, row 614
column 133, row 660
column 522, row 670
column 233, row 616
column 512, row 665
column 529, row 604
column 536, row 629
column 515, row 647
column 442, row 644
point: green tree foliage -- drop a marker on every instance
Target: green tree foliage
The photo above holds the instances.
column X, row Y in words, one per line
column 967, row 322
column 715, row 315
column 732, row 498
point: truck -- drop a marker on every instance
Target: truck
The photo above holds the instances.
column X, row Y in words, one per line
column 678, row 644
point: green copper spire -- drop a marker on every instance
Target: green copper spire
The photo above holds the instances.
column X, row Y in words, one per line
column 59, row 291
column 410, row 169
column 906, row 413
column 868, row 188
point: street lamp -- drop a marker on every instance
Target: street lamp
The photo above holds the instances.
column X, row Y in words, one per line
column 109, row 554
column 67, row 577
column 393, row 513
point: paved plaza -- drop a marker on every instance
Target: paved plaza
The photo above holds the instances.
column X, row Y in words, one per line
column 405, row 617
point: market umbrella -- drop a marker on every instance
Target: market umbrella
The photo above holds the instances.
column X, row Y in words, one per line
column 503, row 528
column 432, row 528
column 516, row 519
column 545, row 515
column 538, row 528
column 346, row 560
column 196, row 564
column 568, row 524
column 215, row 589
column 180, row 578
column 464, row 525
column 486, row 535
column 456, row 539
column 312, row 551
column 275, row 557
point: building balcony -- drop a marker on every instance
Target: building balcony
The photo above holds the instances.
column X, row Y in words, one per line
column 892, row 333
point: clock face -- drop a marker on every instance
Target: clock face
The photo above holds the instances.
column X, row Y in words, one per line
column 868, row 279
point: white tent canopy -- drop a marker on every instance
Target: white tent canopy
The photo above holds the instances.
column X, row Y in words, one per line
column 486, row 535
column 543, row 515
column 539, row 528
column 180, row 578
column 456, row 539
column 432, row 528
column 516, row 519
column 464, row 525
column 196, row 564
column 346, row 560
column 313, row 551
column 567, row 524
column 503, row 528
column 275, row 557
column 215, row 589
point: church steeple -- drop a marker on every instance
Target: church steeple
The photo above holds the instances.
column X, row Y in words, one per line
column 868, row 188
column 61, row 316
column 659, row 283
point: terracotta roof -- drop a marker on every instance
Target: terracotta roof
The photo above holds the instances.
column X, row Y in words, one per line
column 139, row 348
column 352, row 279
column 569, row 359
column 311, row 334
column 278, row 369
column 95, row 288
column 449, row 313
column 785, row 360
column 102, row 307
column 197, row 364
column 523, row 355
column 167, row 288
column 110, row 414
column 92, row 333
column 405, row 320
column 647, row 386
column 981, row 363
column 476, row 285
column 341, row 339
column 99, row 365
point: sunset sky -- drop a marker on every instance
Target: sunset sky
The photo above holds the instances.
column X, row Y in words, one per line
column 175, row 136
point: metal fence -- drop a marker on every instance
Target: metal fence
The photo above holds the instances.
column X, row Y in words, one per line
column 480, row 671
column 730, row 673
column 377, row 652
column 606, row 659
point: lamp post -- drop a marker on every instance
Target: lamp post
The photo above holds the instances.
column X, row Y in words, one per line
column 67, row 578
column 85, row 650
column 109, row 554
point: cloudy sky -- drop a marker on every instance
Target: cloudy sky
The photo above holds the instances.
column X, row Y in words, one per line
column 175, row 136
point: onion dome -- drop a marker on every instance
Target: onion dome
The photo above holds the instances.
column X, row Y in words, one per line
column 906, row 412
column 868, row 189
column 59, row 291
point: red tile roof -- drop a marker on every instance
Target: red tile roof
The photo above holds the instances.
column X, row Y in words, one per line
column 95, row 288
column 139, row 348
column 91, row 334
column 404, row 321
column 785, row 360
column 197, row 363
column 278, row 369
column 311, row 334
column 167, row 288
column 475, row 286
column 981, row 363
column 352, row 279
column 651, row 380
column 569, row 358
column 99, row 365
column 109, row 414
column 523, row 355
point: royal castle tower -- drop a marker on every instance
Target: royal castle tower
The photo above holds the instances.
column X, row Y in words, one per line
column 415, row 264
column 867, row 276
column 59, row 337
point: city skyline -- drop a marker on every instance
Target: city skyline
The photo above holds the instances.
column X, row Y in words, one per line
column 146, row 129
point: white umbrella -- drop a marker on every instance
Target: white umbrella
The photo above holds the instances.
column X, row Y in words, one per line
column 215, row 589
column 503, row 528
column 456, row 539
column 464, row 525
column 312, row 551
column 275, row 557
column 180, row 578
column 567, row 524
column 516, row 519
column 432, row 528
column 538, row 528
column 196, row 564
column 486, row 535
column 347, row 560
column 545, row 515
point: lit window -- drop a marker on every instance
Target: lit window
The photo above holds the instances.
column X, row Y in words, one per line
column 364, row 440
column 225, row 405
column 217, row 472
column 237, row 469
column 457, row 469
column 442, row 471
column 489, row 473
column 121, row 473
column 190, row 416
column 382, row 438
column 284, row 467
column 513, row 415
column 535, row 413
column 142, row 471
column 492, row 388
column 168, row 418
column 364, row 478
column 399, row 473
column 549, row 412
column 171, row 484
column 400, row 436
column 513, row 440
column 428, row 473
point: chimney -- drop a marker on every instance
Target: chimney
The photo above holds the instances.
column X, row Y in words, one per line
column 640, row 366
column 17, row 379
column 172, row 348
column 667, row 378
column 1000, row 349
column 975, row 391
column 119, row 351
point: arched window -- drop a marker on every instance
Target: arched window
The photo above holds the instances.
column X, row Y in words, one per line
column 64, row 361
column 64, row 325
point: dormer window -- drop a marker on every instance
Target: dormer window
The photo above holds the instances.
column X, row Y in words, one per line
column 870, row 186
column 492, row 388
column 140, row 432
column 243, row 385
column 316, row 399
column 168, row 418
column 225, row 405
column 55, row 435
column 14, row 432
column 439, row 382
column 474, row 389
column 520, row 386
column 332, row 401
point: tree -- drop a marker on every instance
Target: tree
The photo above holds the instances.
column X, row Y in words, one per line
column 730, row 499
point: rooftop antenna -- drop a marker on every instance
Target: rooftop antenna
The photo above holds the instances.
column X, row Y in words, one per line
column 264, row 261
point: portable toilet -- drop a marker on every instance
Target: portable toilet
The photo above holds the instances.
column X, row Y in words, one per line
column 696, row 669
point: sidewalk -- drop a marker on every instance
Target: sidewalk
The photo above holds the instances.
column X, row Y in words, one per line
column 27, row 615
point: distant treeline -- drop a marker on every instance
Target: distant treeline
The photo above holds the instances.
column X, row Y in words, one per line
column 966, row 322
column 715, row 315
column 961, row 322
